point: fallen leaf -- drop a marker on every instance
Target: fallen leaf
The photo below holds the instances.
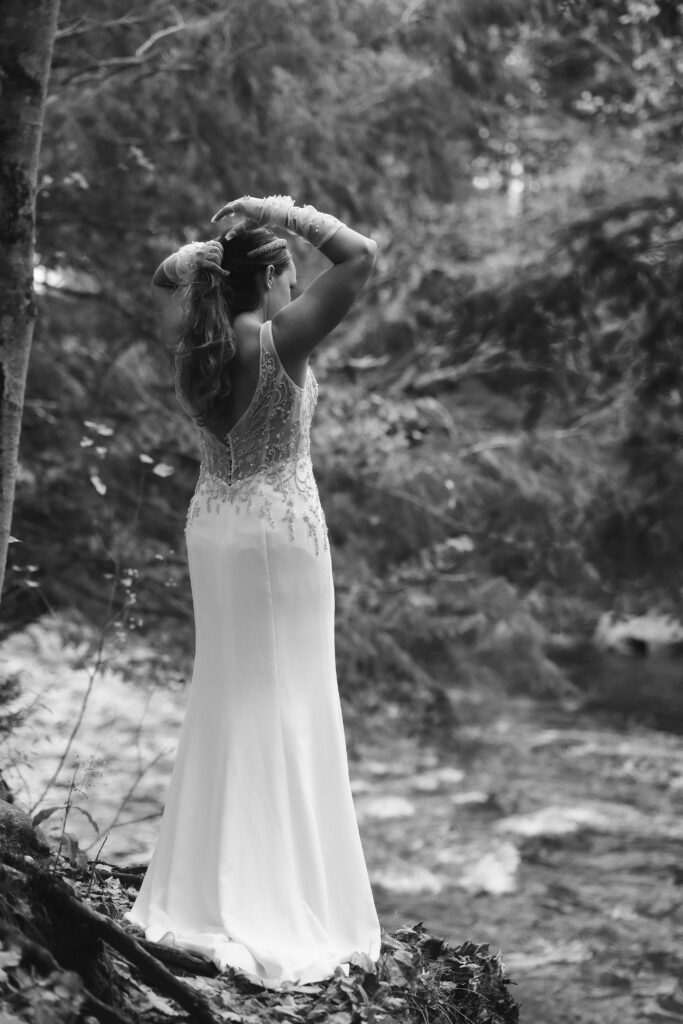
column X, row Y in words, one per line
column 363, row 961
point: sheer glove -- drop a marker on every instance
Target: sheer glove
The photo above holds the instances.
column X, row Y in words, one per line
column 280, row 211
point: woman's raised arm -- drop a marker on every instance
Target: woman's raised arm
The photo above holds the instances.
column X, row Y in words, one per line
column 301, row 325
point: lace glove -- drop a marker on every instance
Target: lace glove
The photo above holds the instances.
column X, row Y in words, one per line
column 178, row 269
column 280, row 211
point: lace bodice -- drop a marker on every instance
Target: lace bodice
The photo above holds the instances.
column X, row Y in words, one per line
column 264, row 461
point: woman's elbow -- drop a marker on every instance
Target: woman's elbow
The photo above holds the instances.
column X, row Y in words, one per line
column 360, row 265
column 371, row 249
column 368, row 253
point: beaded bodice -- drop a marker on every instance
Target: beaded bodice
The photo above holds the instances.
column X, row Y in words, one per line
column 263, row 463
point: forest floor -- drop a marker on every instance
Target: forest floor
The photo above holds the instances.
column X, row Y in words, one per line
column 548, row 832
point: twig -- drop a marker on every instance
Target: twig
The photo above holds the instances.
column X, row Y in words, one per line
column 135, row 821
column 84, row 703
column 423, row 506
column 67, row 808
column 123, row 876
column 109, row 618
column 512, row 440
column 92, row 873
column 156, row 36
column 124, row 802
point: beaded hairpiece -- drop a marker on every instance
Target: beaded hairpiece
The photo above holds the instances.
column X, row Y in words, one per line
column 277, row 245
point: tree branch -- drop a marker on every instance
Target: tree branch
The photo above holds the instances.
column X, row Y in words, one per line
column 116, row 65
column 156, row 36
column 513, row 440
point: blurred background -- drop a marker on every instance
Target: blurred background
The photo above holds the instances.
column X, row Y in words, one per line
column 498, row 446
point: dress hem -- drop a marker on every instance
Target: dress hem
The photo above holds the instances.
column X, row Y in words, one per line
column 228, row 954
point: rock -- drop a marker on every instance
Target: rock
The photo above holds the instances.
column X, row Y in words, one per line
column 5, row 792
column 545, row 953
column 439, row 779
column 555, row 821
column 639, row 635
column 492, row 869
column 408, row 879
column 384, row 807
column 474, row 798
column 18, row 837
column 496, row 872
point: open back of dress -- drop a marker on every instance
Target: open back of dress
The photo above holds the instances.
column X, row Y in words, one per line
column 258, row 863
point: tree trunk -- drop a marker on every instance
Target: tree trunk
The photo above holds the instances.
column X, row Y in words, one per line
column 27, row 32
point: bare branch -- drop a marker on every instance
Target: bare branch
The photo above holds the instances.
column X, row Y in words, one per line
column 99, row 69
column 418, row 503
column 559, row 434
column 156, row 36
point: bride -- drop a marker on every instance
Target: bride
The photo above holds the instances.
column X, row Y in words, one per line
column 258, row 864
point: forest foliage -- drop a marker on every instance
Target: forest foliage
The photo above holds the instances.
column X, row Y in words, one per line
column 498, row 439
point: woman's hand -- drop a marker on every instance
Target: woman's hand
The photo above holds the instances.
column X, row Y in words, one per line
column 247, row 207
column 210, row 255
column 179, row 268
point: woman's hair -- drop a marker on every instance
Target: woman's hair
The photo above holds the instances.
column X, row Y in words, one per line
column 207, row 343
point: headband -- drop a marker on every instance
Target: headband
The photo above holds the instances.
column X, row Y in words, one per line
column 277, row 245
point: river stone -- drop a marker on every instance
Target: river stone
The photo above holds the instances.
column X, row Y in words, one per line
column 640, row 634
column 384, row 807
column 482, row 866
column 495, row 873
column 439, row 779
column 558, row 820
column 408, row 879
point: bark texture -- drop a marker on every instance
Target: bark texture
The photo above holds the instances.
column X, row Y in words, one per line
column 27, row 32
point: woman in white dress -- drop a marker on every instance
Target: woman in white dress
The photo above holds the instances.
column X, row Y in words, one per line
column 258, row 863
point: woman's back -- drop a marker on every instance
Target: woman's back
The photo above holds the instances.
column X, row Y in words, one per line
column 244, row 373
column 263, row 460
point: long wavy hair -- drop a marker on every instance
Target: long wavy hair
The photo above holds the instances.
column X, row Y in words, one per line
column 207, row 343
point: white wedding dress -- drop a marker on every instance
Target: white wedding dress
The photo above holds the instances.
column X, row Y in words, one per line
column 258, row 863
